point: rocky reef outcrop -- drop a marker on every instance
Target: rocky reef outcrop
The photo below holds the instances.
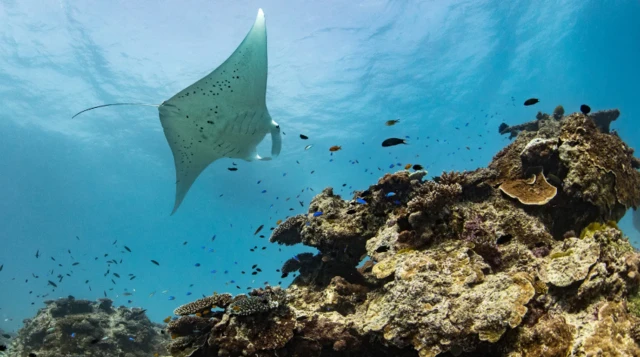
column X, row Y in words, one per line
column 522, row 258
column 70, row 327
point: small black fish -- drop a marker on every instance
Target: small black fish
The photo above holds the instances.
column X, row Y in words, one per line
column 33, row 354
column 38, row 253
column 76, row 263
column 94, row 341
column 418, row 167
column 351, row 211
column 303, row 137
column 503, row 127
column 1, row 266
column 391, row 122
column 52, row 284
column 531, row 101
column 232, row 168
column 127, row 248
column 3, row 348
column 116, row 275
column 154, row 262
column 259, row 229
column 393, row 142
column 585, row 109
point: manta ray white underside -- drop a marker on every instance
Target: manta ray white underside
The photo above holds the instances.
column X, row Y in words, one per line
column 222, row 115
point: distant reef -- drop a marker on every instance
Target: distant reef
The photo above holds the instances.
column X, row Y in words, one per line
column 70, row 327
column 522, row 258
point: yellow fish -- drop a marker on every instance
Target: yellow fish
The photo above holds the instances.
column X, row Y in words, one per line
column 167, row 319
column 279, row 221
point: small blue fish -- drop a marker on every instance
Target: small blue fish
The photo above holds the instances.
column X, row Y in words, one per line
column 361, row 201
column 226, row 272
column 130, row 338
column 197, row 265
column 214, row 271
column 391, row 194
column 330, row 160
column 391, row 166
column 172, row 297
column 211, row 250
column 317, row 214
column 214, row 237
column 264, row 191
column 259, row 181
column 296, row 257
column 188, row 293
column 232, row 281
column 397, row 202
column 73, row 335
column 284, row 174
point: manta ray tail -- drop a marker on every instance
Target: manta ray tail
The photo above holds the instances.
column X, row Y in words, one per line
column 108, row 105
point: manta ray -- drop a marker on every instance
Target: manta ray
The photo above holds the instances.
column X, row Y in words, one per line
column 222, row 115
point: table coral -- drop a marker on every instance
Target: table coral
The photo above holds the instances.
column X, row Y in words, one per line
column 455, row 265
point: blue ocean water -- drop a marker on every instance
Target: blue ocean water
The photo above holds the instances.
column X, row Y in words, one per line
column 79, row 190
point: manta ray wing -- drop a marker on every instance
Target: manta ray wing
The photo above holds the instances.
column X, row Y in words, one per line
column 223, row 114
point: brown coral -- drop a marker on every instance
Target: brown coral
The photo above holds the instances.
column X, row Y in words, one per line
column 205, row 304
column 558, row 112
column 534, row 191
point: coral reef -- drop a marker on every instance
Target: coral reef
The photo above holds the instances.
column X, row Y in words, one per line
column 70, row 327
column 481, row 263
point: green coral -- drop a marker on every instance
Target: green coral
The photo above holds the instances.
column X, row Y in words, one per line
column 405, row 251
column 633, row 304
column 561, row 254
column 594, row 227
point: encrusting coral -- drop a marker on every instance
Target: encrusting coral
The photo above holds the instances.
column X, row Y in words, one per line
column 481, row 263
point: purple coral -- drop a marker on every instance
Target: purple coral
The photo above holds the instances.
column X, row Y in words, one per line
column 484, row 243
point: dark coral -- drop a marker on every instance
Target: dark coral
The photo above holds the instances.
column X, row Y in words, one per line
column 70, row 327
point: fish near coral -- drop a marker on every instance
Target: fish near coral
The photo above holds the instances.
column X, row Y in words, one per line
column 335, row 148
column 531, row 101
